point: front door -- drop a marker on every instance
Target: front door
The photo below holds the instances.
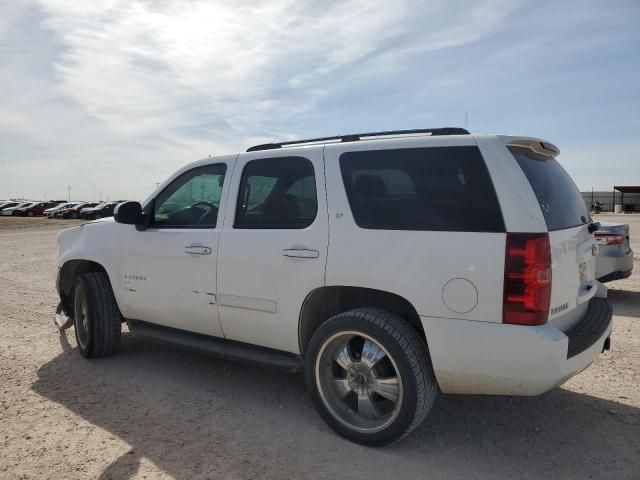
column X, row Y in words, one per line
column 169, row 269
column 273, row 246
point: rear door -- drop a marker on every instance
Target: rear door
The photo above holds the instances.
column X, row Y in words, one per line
column 273, row 245
column 573, row 248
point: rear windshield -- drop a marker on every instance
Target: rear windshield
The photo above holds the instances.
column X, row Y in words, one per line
column 437, row 188
column 560, row 200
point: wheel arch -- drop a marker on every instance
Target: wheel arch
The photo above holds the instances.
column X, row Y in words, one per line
column 325, row 302
column 69, row 272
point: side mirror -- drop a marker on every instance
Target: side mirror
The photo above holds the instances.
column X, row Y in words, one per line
column 128, row 213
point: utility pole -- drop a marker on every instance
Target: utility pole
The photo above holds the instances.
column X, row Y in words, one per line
column 157, row 185
column 68, row 193
column 466, row 120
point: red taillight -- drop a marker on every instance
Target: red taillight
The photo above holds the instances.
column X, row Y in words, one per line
column 609, row 239
column 527, row 279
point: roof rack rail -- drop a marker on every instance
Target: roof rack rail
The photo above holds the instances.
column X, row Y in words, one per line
column 354, row 137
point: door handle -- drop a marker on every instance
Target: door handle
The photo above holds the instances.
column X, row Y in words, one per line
column 197, row 250
column 300, row 253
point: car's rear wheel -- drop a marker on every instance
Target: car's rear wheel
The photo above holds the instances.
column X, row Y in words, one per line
column 96, row 316
column 30, row 214
column 369, row 376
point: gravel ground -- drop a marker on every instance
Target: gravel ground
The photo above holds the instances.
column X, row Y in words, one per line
column 159, row 412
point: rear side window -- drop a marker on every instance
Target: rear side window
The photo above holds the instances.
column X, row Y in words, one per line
column 437, row 188
column 277, row 193
column 560, row 200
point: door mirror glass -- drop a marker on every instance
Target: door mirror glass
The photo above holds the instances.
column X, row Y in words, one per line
column 128, row 213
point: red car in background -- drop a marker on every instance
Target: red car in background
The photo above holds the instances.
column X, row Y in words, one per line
column 36, row 209
column 74, row 212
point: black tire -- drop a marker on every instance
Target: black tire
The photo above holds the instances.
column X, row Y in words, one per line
column 96, row 317
column 410, row 362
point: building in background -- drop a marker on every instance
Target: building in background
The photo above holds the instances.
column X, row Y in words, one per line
column 628, row 197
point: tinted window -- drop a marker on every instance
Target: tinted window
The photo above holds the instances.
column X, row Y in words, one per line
column 438, row 188
column 192, row 199
column 560, row 200
column 277, row 193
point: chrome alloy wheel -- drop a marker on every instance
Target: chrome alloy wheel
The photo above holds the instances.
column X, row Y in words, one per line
column 358, row 381
column 80, row 316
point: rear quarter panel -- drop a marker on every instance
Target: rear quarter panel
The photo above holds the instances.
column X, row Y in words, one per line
column 413, row 264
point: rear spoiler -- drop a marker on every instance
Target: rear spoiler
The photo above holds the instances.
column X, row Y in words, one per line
column 541, row 147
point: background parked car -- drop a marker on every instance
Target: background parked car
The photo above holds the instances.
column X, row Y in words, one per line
column 60, row 213
column 18, row 211
column 36, row 209
column 99, row 211
column 74, row 212
column 11, row 210
column 615, row 257
column 4, row 205
column 50, row 212
column 86, row 209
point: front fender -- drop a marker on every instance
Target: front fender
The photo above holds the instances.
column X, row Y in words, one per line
column 94, row 243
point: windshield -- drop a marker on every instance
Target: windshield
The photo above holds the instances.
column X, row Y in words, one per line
column 559, row 198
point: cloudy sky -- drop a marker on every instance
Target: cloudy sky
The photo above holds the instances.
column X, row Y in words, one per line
column 112, row 96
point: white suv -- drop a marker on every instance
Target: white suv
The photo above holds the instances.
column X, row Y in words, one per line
column 387, row 266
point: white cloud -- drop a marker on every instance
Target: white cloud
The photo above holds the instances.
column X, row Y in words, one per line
column 140, row 67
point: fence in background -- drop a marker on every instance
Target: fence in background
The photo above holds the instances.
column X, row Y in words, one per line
column 607, row 199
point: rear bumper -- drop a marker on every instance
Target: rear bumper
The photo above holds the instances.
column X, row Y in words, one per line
column 613, row 265
column 618, row 275
column 497, row 359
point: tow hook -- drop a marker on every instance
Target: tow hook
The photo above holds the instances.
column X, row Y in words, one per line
column 607, row 344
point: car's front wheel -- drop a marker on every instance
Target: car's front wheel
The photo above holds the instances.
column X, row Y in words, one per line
column 96, row 316
column 369, row 376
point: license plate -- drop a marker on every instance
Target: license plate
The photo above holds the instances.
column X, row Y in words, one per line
column 582, row 273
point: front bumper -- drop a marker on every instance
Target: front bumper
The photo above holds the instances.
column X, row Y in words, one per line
column 61, row 319
column 497, row 359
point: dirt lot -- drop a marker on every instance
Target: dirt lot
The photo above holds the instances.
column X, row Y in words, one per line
column 158, row 412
